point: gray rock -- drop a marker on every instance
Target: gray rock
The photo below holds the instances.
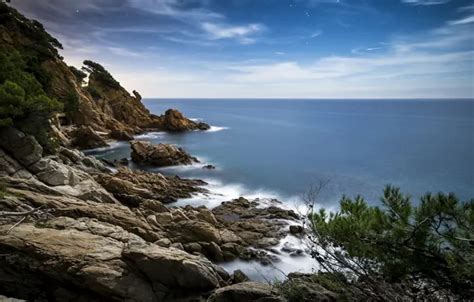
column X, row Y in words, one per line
column 160, row 155
column 245, row 291
column 24, row 148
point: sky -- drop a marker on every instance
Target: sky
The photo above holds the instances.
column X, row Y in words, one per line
column 271, row 48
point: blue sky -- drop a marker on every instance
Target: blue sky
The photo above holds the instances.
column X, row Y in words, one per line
column 271, row 48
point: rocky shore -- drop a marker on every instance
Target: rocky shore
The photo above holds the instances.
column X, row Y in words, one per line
column 73, row 229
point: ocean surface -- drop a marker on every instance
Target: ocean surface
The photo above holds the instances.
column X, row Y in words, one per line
column 278, row 148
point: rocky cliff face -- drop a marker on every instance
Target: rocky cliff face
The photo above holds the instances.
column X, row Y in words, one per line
column 104, row 106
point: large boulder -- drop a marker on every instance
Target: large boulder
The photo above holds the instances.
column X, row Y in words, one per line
column 88, row 260
column 173, row 120
column 10, row 167
column 160, row 155
column 24, row 148
column 86, row 138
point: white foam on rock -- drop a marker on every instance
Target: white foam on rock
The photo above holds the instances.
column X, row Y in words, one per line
column 216, row 129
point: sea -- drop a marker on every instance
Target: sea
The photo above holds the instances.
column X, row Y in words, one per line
column 278, row 148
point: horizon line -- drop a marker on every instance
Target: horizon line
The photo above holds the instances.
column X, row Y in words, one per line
column 315, row 99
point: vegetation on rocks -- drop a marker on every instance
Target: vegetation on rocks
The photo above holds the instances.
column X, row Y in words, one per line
column 24, row 103
column 100, row 74
column 431, row 242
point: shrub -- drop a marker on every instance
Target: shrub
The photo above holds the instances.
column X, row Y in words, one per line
column 24, row 103
column 433, row 240
column 79, row 74
column 99, row 73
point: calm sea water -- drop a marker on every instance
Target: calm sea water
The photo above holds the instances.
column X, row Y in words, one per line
column 278, row 148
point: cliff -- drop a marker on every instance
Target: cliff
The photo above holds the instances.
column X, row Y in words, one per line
column 103, row 104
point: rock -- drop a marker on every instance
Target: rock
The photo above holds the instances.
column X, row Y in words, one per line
column 195, row 231
column 105, row 259
column 307, row 289
column 212, row 251
column 24, row 148
column 54, row 173
column 10, row 167
column 121, row 135
column 86, row 138
column 164, row 218
column 209, row 167
column 245, row 291
column 173, row 120
column 192, row 247
column 239, row 276
column 163, row 242
column 296, row 229
column 160, row 155
column 206, row 215
column 292, row 250
column 154, row 206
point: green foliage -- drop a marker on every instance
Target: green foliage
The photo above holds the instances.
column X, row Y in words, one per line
column 79, row 74
column 71, row 103
column 434, row 239
column 24, row 103
column 100, row 74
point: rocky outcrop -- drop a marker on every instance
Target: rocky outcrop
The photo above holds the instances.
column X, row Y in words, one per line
column 50, row 172
column 103, row 105
column 86, row 138
column 104, row 262
column 133, row 187
column 257, row 226
column 173, row 120
column 160, row 155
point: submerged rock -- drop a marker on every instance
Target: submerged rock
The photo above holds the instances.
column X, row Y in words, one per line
column 160, row 155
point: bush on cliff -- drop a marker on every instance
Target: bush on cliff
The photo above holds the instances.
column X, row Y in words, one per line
column 433, row 240
column 23, row 102
column 100, row 74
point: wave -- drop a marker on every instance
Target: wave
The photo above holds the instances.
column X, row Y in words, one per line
column 220, row 192
column 150, row 135
column 217, row 128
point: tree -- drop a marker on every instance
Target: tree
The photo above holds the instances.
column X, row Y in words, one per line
column 99, row 73
column 23, row 102
column 79, row 74
column 432, row 241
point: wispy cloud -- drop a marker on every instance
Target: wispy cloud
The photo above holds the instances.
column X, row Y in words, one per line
column 465, row 20
column 316, row 34
column 242, row 33
column 425, row 2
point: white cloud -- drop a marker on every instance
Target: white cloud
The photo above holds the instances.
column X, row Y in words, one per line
column 425, row 2
column 316, row 34
column 466, row 20
column 241, row 33
column 430, row 65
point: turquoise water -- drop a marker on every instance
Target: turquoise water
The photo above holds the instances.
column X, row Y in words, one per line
column 278, row 148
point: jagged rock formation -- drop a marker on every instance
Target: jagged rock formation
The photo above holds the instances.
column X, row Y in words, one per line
column 160, row 155
column 103, row 105
column 113, row 232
